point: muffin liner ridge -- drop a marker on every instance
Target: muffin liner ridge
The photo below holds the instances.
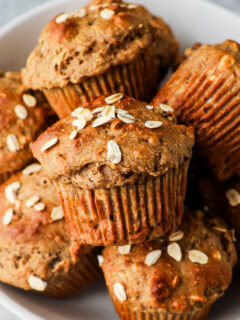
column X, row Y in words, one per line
column 84, row 273
column 127, row 313
column 138, row 79
column 130, row 213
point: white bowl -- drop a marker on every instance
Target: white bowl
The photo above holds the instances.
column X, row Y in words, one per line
column 192, row 21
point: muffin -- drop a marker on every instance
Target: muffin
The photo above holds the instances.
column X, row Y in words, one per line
column 104, row 47
column 22, row 119
column 222, row 197
column 204, row 92
column 120, row 170
column 36, row 251
column 176, row 277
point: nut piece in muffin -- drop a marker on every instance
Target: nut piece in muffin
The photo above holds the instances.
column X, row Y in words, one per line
column 176, row 277
column 120, row 169
column 104, row 47
column 204, row 92
column 22, row 119
column 36, row 251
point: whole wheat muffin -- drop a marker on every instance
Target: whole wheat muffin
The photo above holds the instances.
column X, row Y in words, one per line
column 104, row 47
column 171, row 278
column 22, row 119
column 224, row 198
column 36, row 252
column 120, row 170
column 204, row 92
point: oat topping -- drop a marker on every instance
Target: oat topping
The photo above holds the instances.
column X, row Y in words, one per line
column 37, row 283
column 107, row 14
column 166, row 108
column 40, row 206
column 119, row 291
column 109, row 111
column 57, row 213
column 132, row 6
column 198, row 256
column 114, row 154
column 220, row 229
column 126, row 118
column 233, row 197
column 73, row 134
column 98, row 110
column 174, row 251
column 20, row 111
column 32, row 168
column 153, row 124
column 100, row 121
column 176, row 236
column 7, row 218
column 10, row 191
column 152, row 257
column 114, row 98
column 62, row 18
column 49, row 144
column 29, row 100
column 81, row 13
column 79, row 123
column 124, row 249
column 32, row 201
column 100, row 260
column 233, row 234
column 149, row 107
column 12, row 143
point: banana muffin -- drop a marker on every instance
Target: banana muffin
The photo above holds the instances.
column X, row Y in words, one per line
column 22, row 119
column 120, row 169
column 204, row 92
column 177, row 277
column 36, row 251
column 104, row 47
column 222, row 197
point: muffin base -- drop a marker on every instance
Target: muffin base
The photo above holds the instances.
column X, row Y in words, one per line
column 138, row 79
column 131, row 213
column 125, row 313
column 84, row 273
column 4, row 176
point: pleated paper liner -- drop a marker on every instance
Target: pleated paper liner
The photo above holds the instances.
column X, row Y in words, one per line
column 126, row 313
column 5, row 176
column 138, row 79
column 126, row 214
column 211, row 104
column 81, row 275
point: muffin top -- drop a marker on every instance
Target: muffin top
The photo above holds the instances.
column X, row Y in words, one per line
column 33, row 235
column 22, row 119
column 113, row 141
column 179, row 274
column 93, row 39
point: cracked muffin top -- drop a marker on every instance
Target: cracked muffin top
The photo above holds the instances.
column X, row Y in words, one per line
column 22, row 119
column 34, row 238
column 93, row 39
column 112, row 141
column 179, row 274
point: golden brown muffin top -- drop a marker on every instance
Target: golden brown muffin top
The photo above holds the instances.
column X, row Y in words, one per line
column 22, row 119
column 93, row 39
column 116, row 152
column 33, row 234
column 179, row 274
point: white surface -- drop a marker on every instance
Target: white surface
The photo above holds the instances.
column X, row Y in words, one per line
column 192, row 20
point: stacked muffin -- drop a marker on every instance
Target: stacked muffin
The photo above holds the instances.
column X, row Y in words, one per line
column 116, row 167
